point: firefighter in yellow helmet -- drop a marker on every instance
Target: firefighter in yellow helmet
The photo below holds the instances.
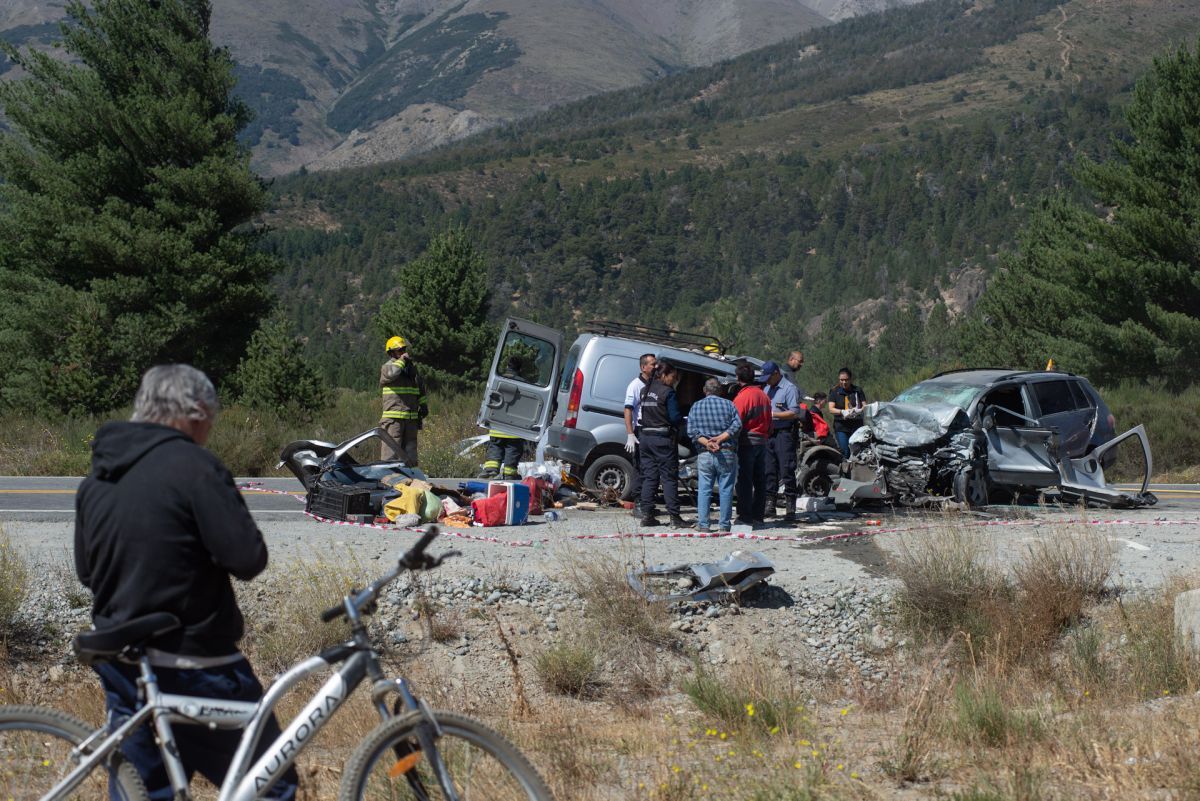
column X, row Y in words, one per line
column 404, row 403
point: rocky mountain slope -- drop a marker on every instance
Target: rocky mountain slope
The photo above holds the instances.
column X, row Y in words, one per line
column 347, row 82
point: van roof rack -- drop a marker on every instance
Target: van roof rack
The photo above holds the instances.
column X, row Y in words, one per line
column 660, row 336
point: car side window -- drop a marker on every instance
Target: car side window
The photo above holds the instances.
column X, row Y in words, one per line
column 1054, row 397
column 526, row 359
column 1003, row 400
column 1080, row 396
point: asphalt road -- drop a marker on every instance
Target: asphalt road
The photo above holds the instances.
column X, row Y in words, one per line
column 1150, row 544
column 52, row 498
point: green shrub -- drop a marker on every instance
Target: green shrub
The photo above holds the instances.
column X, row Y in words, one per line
column 750, row 697
column 570, row 669
column 982, row 715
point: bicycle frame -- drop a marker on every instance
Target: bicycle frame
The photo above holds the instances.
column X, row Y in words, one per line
column 245, row 782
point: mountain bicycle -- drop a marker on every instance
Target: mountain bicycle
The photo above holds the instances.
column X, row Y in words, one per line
column 415, row 752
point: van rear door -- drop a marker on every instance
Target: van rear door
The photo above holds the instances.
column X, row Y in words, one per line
column 519, row 398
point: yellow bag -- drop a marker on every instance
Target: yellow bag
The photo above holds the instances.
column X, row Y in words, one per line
column 410, row 501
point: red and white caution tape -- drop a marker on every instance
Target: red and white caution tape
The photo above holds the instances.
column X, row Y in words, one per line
column 712, row 535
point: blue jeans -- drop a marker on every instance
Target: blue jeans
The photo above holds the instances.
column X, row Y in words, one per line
column 208, row 752
column 719, row 467
column 843, row 440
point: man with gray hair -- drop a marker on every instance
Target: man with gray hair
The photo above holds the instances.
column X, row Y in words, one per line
column 713, row 424
column 160, row 527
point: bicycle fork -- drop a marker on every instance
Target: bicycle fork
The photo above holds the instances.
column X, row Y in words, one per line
column 428, row 732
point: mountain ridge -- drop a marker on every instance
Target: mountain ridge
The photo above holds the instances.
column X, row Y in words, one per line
column 342, row 82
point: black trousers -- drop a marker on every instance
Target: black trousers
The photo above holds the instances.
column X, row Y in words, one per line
column 659, row 465
column 751, row 481
column 781, row 466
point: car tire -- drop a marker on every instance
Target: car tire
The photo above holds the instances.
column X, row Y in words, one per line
column 816, row 479
column 971, row 486
column 610, row 472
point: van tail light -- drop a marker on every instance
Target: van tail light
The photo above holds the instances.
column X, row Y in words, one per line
column 573, row 400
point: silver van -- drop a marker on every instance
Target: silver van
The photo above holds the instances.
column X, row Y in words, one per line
column 576, row 400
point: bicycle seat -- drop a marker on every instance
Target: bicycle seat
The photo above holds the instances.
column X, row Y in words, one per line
column 106, row 644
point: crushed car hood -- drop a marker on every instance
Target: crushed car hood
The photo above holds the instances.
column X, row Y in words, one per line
column 910, row 426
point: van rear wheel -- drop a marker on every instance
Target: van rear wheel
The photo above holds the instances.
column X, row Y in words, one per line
column 610, row 473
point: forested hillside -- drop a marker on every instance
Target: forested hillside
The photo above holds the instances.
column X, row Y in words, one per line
column 862, row 175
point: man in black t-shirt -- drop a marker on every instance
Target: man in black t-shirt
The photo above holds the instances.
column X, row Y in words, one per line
column 846, row 403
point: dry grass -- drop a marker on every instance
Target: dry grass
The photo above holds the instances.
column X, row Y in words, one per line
column 441, row 624
column 952, row 585
column 14, row 583
column 630, row 635
column 612, row 605
column 300, row 591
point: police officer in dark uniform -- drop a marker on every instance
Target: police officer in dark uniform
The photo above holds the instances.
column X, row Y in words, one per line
column 659, row 451
column 786, row 416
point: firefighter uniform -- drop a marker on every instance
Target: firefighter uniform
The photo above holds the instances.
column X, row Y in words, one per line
column 503, row 455
column 404, row 403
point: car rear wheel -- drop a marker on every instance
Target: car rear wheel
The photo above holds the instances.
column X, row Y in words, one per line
column 971, row 487
column 610, row 473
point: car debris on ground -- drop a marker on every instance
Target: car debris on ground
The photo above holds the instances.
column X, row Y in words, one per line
column 714, row 582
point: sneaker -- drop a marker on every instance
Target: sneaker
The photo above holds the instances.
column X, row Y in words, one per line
column 702, row 529
column 679, row 522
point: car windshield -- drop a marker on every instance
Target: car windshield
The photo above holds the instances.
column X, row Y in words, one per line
column 927, row 392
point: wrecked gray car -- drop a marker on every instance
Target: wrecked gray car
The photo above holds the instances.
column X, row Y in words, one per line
column 716, row 582
column 337, row 485
column 980, row 436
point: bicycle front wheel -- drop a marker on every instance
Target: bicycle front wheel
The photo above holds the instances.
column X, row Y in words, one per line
column 37, row 749
column 483, row 766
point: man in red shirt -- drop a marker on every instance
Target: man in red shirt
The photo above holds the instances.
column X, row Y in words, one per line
column 754, row 408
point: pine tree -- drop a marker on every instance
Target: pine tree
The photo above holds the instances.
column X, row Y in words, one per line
column 441, row 308
column 123, row 203
column 274, row 377
column 1115, row 294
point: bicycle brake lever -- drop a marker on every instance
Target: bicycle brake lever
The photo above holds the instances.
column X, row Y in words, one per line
column 437, row 560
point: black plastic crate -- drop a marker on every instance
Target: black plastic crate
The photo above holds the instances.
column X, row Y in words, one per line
column 339, row 501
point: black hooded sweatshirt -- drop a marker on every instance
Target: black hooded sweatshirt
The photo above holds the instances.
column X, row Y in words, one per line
column 160, row 527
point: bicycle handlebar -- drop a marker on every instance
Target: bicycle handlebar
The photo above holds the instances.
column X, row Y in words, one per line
column 414, row 558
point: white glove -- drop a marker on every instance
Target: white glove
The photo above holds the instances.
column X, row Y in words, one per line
column 630, row 443
column 845, row 412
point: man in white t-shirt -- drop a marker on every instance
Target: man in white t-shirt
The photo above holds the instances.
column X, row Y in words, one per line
column 633, row 419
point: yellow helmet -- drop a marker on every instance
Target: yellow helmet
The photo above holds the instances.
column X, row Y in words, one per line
column 395, row 343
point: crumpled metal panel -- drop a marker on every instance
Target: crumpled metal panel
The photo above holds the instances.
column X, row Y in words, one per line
column 707, row 581
column 910, row 426
column 1083, row 478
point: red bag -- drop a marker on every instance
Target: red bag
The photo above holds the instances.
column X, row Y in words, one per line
column 490, row 511
column 820, row 427
column 538, row 488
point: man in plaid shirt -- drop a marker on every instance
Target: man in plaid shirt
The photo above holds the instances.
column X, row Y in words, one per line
column 713, row 424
